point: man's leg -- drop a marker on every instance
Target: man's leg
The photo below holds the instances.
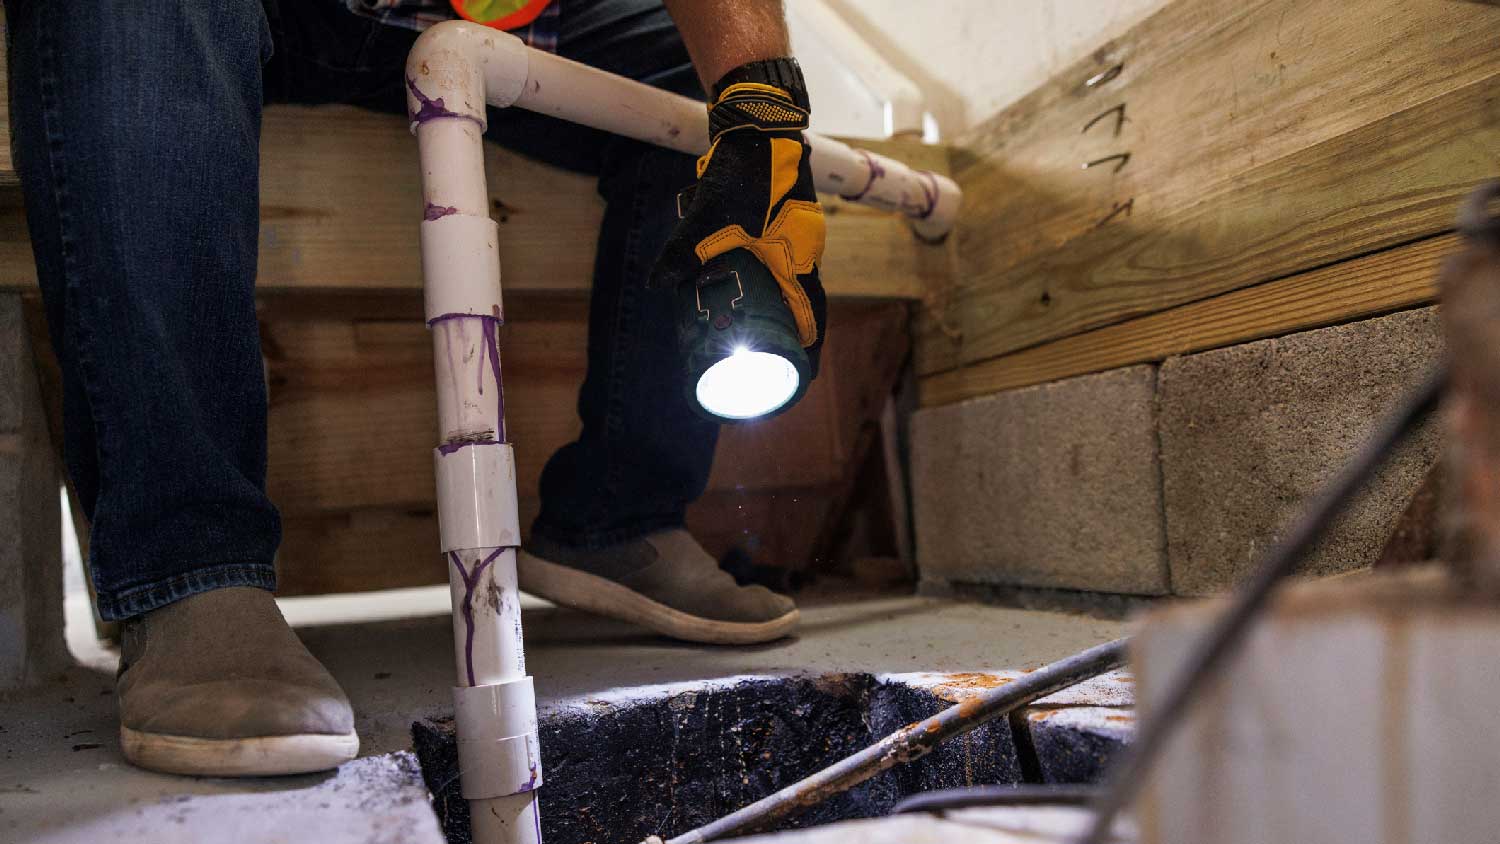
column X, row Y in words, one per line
column 609, row 538
column 610, row 535
column 136, row 138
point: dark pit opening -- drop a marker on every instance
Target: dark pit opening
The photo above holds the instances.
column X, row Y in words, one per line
column 617, row 771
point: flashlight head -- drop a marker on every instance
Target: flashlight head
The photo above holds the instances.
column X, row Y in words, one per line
column 739, row 341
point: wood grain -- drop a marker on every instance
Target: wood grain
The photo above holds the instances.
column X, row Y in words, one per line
column 1396, row 279
column 341, row 204
column 1265, row 138
column 8, row 177
column 352, row 411
column 352, row 428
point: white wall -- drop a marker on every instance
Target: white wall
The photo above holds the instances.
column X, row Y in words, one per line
column 972, row 58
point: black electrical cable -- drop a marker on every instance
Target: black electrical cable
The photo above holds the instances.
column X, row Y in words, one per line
column 1129, row 771
column 998, row 795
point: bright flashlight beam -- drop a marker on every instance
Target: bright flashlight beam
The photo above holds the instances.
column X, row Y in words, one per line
column 747, row 384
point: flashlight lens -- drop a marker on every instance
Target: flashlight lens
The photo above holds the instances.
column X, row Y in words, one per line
column 747, row 384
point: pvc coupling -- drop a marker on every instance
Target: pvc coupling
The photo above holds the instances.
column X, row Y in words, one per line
column 498, row 750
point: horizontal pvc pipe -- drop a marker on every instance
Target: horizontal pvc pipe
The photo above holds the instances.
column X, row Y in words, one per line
column 509, row 73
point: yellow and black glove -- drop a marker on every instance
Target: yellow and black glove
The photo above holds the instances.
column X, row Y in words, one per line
column 755, row 191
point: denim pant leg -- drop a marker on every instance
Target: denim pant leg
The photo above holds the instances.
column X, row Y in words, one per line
column 135, row 135
column 643, row 454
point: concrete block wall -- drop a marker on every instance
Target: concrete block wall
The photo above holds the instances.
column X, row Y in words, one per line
column 31, row 602
column 1170, row 479
column 1052, row 486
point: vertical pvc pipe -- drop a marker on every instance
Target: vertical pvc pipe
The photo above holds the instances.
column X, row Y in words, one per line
column 452, row 72
column 494, row 703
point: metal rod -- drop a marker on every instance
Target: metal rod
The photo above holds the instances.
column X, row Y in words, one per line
column 1129, row 771
column 911, row 742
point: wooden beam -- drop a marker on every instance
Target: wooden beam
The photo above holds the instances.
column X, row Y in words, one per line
column 352, row 419
column 1264, row 138
column 1396, row 279
column 341, row 199
column 352, row 428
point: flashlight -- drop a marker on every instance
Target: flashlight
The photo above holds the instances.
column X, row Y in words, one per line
column 739, row 341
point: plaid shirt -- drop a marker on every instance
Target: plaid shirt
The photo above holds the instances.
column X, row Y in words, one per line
column 420, row 14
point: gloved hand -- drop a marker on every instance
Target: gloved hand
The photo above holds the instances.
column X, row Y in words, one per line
column 755, row 190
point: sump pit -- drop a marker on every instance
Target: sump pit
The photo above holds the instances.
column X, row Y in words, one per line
column 665, row 759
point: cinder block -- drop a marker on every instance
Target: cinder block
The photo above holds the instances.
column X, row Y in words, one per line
column 1250, row 433
column 1050, row 486
column 31, row 634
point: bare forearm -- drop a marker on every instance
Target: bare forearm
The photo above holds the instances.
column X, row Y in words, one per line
column 721, row 35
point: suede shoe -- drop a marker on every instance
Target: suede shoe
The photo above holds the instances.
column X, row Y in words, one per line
column 217, row 684
column 665, row 582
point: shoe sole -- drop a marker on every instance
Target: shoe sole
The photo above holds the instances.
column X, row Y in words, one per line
column 591, row 593
column 263, row 756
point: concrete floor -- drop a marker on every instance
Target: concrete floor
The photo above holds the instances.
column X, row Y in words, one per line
column 62, row 778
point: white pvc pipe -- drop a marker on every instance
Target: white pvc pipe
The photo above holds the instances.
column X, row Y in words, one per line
column 511, row 73
column 453, row 71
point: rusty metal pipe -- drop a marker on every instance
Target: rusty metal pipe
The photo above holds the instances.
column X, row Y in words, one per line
column 909, row 743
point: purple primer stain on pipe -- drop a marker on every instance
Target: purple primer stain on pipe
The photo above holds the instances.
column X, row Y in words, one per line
column 431, row 109
column 467, row 607
column 451, row 446
column 491, row 349
column 492, row 342
column 437, row 212
column 876, row 173
column 930, row 191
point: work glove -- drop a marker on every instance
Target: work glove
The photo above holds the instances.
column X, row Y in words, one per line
column 755, row 191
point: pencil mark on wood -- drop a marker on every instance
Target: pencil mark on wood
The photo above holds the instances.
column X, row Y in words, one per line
column 1122, row 157
column 1119, row 113
column 1120, row 208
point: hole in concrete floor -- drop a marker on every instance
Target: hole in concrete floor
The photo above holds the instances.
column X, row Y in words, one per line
column 664, row 760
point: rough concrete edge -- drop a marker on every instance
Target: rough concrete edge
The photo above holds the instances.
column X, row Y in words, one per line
column 1095, row 714
column 1114, row 688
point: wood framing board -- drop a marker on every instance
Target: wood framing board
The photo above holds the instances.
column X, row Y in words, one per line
column 352, row 408
column 341, row 205
column 352, row 427
column 1264, row 138
column 1383, row 282
column 8, row 177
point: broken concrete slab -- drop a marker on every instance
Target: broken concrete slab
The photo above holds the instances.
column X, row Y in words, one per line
column 1050, row 486
column 65, row 782
column 398, row 670
column 31, row 628
column 665, row 759
column 1251, row 432
column 374, row 800
column 1075, row 744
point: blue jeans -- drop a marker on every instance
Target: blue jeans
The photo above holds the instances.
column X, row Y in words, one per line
column 135, row 136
